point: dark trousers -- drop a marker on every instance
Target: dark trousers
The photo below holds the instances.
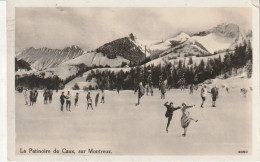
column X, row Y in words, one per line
column 90, row 104
column 50, row 99
column 68, row 103
column 45, row 100
column 62, row 103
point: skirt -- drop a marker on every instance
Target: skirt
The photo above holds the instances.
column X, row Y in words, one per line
column 185, row 121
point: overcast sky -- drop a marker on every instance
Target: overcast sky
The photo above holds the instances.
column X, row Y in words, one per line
column 92, row 27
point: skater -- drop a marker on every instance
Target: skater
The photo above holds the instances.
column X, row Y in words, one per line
column 50, row 96
column 68, row 101
column 103, row 97
column 203, row 94
column 31, row 98
column 88, row 95
column 141, row 91
column 214, row 94
column 227, row 89
column 186, row 118
column 62, row 100
column 147, row 90
column 89, row 100
column 163, row 90
column 45, row 96
column 76, row 99
column 169, row 113
column 191, row 88
column 118, row 89
column 96, row 99
column 35, row 96
column 26, row 96
column 151, row 89
column 244, row 92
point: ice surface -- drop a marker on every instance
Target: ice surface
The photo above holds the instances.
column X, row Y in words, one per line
column 126, row 129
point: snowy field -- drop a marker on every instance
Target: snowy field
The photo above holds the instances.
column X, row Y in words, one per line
column 126, row 129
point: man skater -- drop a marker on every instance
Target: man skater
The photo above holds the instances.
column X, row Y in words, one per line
column 35, row 95
column 214, row 94
column 50, row 96
column 151, row 89
column 88, row 95
column 76, row 99
column 103, row 97
column 96, row 99
column 169, row 113
column 68, row 101
column 45, row 96
column 31, row 98
column 62, row 100
column 186, row 118
column 141, row 91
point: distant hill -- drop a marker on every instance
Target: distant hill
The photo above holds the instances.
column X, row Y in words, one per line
column 21, row 64
column 43, row 58
column 125, row 47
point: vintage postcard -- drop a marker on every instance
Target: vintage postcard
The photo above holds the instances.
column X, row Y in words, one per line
column 133, row 80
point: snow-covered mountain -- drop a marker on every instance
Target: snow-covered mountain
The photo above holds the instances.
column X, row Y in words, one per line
column 224, row 36
column 125, row 47
column 44, row 58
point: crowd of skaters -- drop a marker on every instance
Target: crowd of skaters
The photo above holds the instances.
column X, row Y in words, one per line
column 142, row 90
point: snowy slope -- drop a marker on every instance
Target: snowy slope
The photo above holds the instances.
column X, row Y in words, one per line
column 43, row 58
column 69, row 68
column 212, row 42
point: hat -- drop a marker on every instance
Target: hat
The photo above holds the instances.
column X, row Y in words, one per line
column 171, row 103
column 183, row 104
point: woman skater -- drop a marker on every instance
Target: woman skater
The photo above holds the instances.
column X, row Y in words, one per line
column 203, row 95
column 186, row 118
column 169, row 113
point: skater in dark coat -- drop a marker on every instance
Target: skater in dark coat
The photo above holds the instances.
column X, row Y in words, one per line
column 45, row 96
column 50, row 96
column 214, row 94
column 96, row 99
column 31, row 98
column 76, row 99
column 35, row 96
column 62, row 100
column 169, row 113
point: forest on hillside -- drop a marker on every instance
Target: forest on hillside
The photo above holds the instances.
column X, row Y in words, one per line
column 176, row 75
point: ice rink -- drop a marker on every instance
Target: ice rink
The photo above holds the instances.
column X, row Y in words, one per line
column 126, row 129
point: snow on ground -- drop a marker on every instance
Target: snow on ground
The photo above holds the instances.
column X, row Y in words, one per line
column 182, row 37
column 80, row 80
column 126, row 129
column 213, row 42
column 22, row 72
column 162, row 60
